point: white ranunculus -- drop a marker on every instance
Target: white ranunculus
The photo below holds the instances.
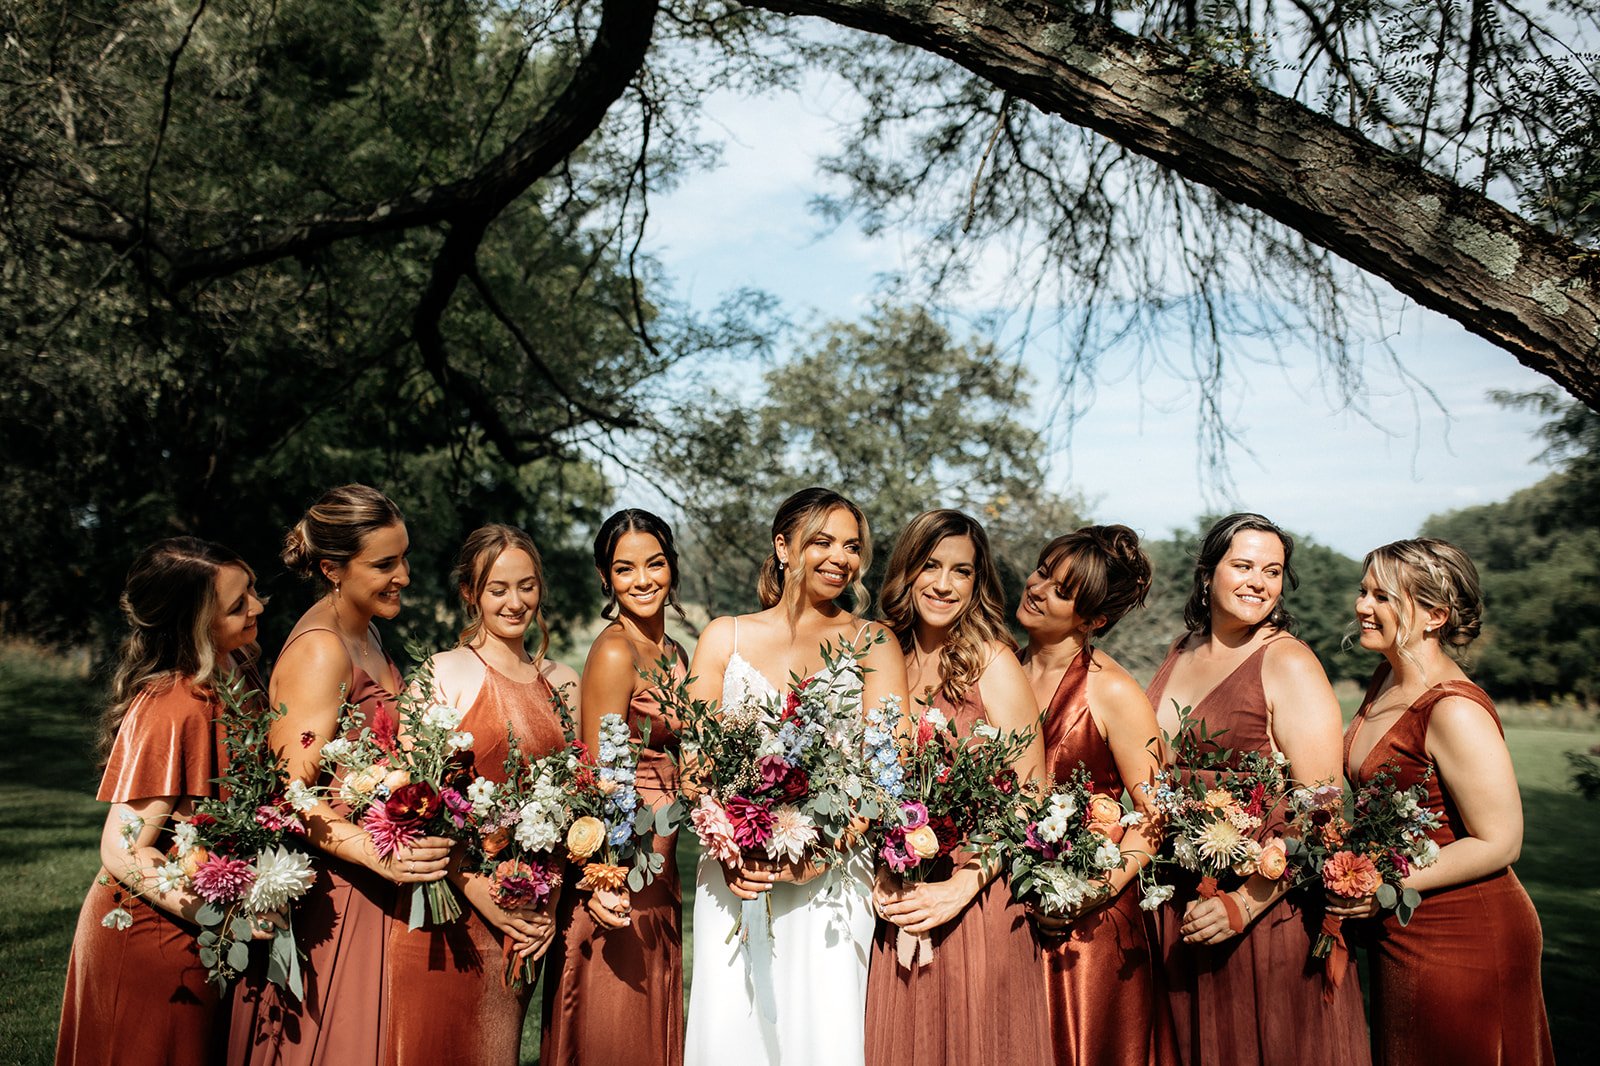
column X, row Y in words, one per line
column 459, row 741
column 443, row 716
column 300, row 797
column 1155, row 897
column 1108, row 856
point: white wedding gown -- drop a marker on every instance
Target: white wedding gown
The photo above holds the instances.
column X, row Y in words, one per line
column 821, row 941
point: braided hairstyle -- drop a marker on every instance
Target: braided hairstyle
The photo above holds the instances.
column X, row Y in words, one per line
column 1431, row 573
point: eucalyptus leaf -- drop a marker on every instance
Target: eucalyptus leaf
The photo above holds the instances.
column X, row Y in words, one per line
column 239, row 956
column 1387, row 896
column 636, row 880
column 208, row 957
column 209, row 914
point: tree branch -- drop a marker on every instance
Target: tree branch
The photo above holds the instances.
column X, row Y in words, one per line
column 1450, row 249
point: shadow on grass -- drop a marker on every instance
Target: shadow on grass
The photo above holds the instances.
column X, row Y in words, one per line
column 50, row 725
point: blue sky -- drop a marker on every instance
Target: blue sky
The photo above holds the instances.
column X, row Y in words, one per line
column 1351, row 480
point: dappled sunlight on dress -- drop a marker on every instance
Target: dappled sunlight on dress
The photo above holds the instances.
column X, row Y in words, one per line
column 446, row 999
column 1256, row 998
column 617, row 996
column 1107, row 1007
column 981, row 997
column 1460, row 983
column 341, row 925
column 139, row 995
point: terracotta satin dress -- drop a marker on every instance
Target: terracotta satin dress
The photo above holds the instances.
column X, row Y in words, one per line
column 1107, row 1007
column 446, row 1000
column 981, row 999
column 1460, row 983
column 619, row 994
column 1258, row 997
column 139, row 995
column 341, row 925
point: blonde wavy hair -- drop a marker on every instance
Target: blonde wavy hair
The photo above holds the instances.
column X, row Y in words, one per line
column 1431, row 573
column 963, row 654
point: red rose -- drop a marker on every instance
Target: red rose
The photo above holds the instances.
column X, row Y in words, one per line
column 949, row 834
column 1005, row 781
column 796, row 785
column 416, row 802
column 200, row 820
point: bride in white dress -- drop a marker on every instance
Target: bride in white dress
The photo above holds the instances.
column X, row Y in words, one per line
column 821, row 938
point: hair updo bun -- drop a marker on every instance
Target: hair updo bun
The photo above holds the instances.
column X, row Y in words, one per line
column 334, row 528
column 1435, row 575
column 1108, row 574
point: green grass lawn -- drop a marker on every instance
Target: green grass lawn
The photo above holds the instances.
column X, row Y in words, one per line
column 51, row 825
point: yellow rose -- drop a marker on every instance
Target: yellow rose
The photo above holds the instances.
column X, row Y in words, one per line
column 923, row 842
column 1274, row 859
column 395, row 779
column 585, row 837
column 192, row 861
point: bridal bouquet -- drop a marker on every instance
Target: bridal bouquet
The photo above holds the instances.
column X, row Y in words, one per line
column 778, row 778
column 514, row 827
column 612, row 834
column 956, row 792
column 1364, row 852
column 238, row 852
column 1064, row 841
column 401, row 790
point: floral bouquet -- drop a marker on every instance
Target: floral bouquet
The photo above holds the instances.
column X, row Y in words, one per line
column 1064, row 841
column 237, row 852
column 612, row 835
column 1366, row 852
column 955, row 792
column 401, row 790
column 514, row 829
column 1215, row 815
column 780, row 779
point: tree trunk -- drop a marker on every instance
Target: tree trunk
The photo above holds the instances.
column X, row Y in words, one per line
column 1450, row 249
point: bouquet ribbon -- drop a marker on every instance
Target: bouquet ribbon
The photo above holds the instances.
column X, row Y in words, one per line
column 1230, row 906
column 1330, row 947
column 913, row 949
column 755, row 939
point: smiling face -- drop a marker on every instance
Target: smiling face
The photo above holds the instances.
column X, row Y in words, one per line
column 1049, row 611
column 829, row 561
column 640, row 575
column 371, row 582
column 233, row 626
column 1248, row 581
column 510, row 598
column 942, row 589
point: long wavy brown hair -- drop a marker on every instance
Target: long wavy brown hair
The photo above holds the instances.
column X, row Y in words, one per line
column 170, row 603
column 478, row 554
column 962, row 656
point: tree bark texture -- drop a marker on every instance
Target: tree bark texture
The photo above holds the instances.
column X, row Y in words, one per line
column 1522, row 288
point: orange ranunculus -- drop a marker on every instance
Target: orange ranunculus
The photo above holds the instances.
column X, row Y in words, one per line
column 1274, row 859
column 1332, row 836
column 365, row 782
column 1350, row 875
column 1219, row 799
column 923, row 842
column 1103, row 810
column 585, row 837
column 192, row 861
column 495, row 841
column 603, row 875
column 395, row 780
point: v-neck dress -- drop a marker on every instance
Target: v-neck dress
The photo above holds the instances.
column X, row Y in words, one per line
column 1256, row 998
column 1460, row 982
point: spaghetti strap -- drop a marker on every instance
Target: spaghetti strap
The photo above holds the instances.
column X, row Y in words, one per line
column 736, row 634
column 312, row 629
column 475, row 655
column 856, row 640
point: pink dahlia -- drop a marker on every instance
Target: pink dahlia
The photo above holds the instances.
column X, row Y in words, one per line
column 388, row 834
column 752, row 822
column 222, row 880
column 715, row 831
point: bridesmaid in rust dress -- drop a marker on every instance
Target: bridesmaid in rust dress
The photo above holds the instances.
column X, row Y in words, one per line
column 446, row 997
column 136, row 990
column 979, row 998
column 352, row 542
column 615, row 992
column 1241, row 982
column 1460, row 983
column 1105, row 1001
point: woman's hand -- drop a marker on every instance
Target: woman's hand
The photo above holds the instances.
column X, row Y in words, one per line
column 750, row 878
column 426, row 860
column 1061, row 924
column 926, row 905
column 268, row 924
column 1206, row 921
column 541, row 923
column 610, row 910
column 1345, row 907
column 525, row 927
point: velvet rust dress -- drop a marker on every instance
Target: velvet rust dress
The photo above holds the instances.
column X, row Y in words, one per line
column 1459, row 983
column 980, row 998
column 1106, row 1003
column 446, row 998
column 617, row 996
column 1256, row 998
column 139, row 996
column 341, row 926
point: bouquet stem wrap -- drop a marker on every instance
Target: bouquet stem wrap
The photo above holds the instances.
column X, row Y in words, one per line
column 1330, row 947
column 1208, row 890
column 913, row 950
column 755, row 941
column 432, row 898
